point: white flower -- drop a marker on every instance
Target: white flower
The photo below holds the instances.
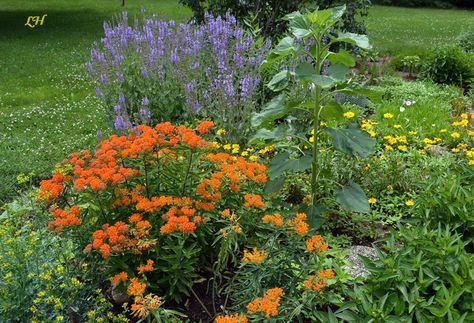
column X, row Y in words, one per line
column 402, row 109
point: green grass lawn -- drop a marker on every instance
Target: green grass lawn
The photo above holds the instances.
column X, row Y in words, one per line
column 47, row 105
column 394, row 30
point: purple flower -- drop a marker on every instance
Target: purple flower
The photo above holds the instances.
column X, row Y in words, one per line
column 99, row 133
column 145, row 101
column 119, row 123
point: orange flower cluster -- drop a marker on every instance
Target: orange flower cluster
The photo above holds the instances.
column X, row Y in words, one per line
column 267, row 304
column 316, row 243
column 180, row 220
column 120, row 237
column 120, row 277
column 146, row 268
column 275, row 219
column 318, row 283
column 135, row 288
column 64, row 218
column 253, row 200
column 234, row 318
column 143, row 306
column 254, row 256
column 50, row 189
column 204, row 127
column 298, row 224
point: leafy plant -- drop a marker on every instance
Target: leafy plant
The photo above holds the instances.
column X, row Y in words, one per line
column 159, row 71
column 411, row 64
column 424, row 275
column 309, row 49
column 466, row 40
column 450, row 65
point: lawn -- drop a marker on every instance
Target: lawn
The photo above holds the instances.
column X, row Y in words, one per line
column 47, row 106
column 394, row 30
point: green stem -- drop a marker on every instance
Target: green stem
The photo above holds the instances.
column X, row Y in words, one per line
column 187, row 172
column 316, row 113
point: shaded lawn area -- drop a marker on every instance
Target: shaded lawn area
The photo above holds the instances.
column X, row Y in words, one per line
column 47, row 106
column 394, row 30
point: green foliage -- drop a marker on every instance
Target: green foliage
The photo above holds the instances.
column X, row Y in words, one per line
column 268, row 14
column 450, row 65
column 449, row 199
column 466, row 40
column 425, row 3
column 424, row 275
column 305, row 49
column 41, row 278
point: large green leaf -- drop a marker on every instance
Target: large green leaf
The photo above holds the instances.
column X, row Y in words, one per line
column 285, row 46
column 332, row 111
column 320, row 17
column 351, row 141
column 323, row 81
column 277, row 134
column 279, row 81
column 282, row 162
column 274, row 185
column 304, row 71
column 373, row 95
column 353, row 198
column 338, row 71
column 273, row 110
column 298, row 24
column 315, row 215
column 361, row 41
column 342, row 57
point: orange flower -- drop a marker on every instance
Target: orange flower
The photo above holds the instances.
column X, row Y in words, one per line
column 142, row 306
column 316, row 243
column 267, row 304
column 225, row 213
column 273, row 219
column 204, row 127
column 299, row 224
column 136, row 288
column 64, row 218
column 145, row 268
column 255, row 256
column 234, row 318
column 318, row 283
column 120, row 277
column 253, row 200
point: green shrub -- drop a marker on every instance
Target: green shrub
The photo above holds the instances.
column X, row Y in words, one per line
column 426, row 3
column 424, row 275
column 268, row 14
column 466, row 40
column 450, row 65
column 40, row 278
column 449, row 199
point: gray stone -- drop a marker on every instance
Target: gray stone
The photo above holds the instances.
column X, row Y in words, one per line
column 358, row 269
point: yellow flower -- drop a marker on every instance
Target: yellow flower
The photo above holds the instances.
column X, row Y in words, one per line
column 402, row 148
column 388, row 116
column 322, row 123
column 470, row 162
column 220, row 132
column 443, row 130
column 372, row 200
column 311, row 139
column 253, row 158
column 227, row 146
column 390, row 187
column 455, row 135
column 372, row 133
column 409, row 203
column 464, row 116
column 244, row 153
column 397, row 126
column 388, row 147
column 349, row 115
column 216, row 144
column 33, row 309
column 382, row 157
column 412, row 133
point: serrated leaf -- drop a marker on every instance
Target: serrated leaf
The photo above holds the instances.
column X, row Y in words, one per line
column 342, row 57
column 273, row 110
column 279, row 81
column 351, row 141
column 353, row 198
